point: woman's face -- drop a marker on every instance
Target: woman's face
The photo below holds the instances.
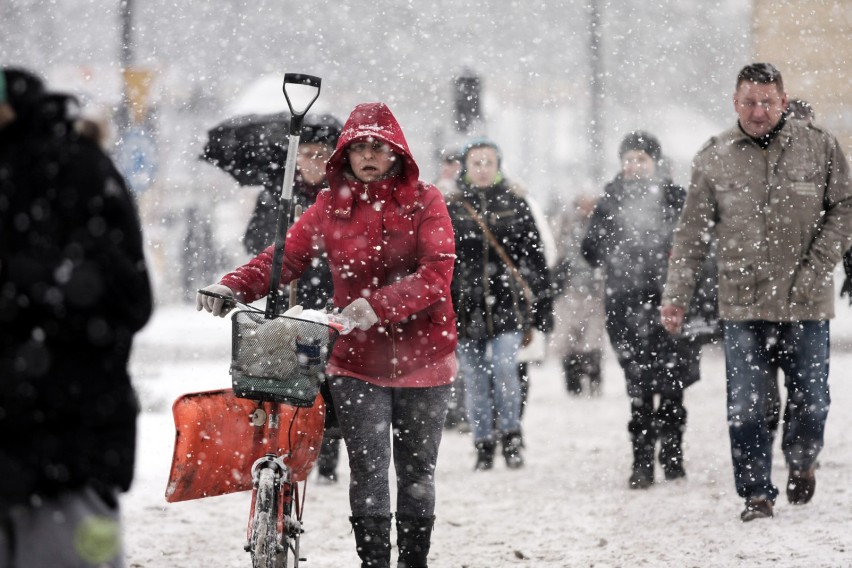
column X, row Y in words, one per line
column 482, row 166
column 311, row 161
column 637, row 165
column 370, row 159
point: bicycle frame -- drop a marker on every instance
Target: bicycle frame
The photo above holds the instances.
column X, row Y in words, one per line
column 273, row 531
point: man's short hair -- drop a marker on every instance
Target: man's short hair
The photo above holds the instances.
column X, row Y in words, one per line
column 761, row 73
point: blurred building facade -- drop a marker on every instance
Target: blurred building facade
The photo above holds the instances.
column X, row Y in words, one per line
column 809, row 41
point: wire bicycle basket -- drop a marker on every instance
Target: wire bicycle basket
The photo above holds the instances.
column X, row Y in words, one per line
column 281, row 359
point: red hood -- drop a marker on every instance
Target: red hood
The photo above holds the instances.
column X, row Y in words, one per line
column 371, row 120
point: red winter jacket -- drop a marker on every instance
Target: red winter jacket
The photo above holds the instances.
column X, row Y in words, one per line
column 389, row 241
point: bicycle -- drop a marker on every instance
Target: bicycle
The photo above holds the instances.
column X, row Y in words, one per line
column 276, row 369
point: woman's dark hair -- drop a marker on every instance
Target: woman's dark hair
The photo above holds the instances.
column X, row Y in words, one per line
column 762, row 74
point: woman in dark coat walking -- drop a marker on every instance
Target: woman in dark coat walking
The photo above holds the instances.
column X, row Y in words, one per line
column 630, row 236
column 492, row 318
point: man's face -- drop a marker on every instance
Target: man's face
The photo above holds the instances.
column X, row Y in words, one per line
column 311, row 161
column 759, row 107
column 482, row 166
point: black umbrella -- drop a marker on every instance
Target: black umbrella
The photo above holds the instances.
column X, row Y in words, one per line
column 253, row 148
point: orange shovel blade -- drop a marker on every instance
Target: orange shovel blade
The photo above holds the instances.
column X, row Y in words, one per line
column 219, row 436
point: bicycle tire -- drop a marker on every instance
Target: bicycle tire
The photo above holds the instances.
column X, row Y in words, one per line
column 265, row 552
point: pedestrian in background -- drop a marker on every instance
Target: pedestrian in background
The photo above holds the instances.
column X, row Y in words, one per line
column 500, row 292
column 74, row 289
column 317, row 141
column 390, row 247
column 776, row 195
column 630, row 236
column 579, row 313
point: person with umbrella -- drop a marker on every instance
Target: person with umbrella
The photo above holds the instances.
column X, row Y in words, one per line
column 391, row 249
column 317, row 141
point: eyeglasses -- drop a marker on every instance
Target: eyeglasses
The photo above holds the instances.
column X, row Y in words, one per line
column 376, row 147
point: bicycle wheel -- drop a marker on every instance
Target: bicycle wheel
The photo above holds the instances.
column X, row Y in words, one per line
column 264, row 531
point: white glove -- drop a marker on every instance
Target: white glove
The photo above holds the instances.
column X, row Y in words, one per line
column 216, row 306
column 361, row 312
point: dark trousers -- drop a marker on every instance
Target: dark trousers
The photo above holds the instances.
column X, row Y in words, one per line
column 370, row 417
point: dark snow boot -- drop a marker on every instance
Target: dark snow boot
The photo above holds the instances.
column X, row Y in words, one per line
column 513, row 444
column 372, row 540
column 573, row 368
column 671, row 422
column 643, row 438
column 327, row 461
column 484, row 455
column 413, row 537
column 642, row 473
column 593, row 370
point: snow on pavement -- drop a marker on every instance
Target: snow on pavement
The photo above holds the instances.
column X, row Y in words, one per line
column 570, row 506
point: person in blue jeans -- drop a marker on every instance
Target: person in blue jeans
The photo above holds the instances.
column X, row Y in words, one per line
column 497, row 245
column 776, row 195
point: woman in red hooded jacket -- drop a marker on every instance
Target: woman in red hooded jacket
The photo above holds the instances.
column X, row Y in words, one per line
column 391, row 249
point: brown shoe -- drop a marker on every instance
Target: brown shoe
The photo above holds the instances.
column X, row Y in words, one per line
column 801, row 484
column 756, row 508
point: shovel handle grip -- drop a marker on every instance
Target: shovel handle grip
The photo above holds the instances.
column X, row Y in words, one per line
column 302, row 79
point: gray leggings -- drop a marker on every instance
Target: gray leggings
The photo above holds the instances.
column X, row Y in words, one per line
column 366, row 413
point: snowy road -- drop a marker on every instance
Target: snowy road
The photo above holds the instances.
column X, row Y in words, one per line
column 569, row 507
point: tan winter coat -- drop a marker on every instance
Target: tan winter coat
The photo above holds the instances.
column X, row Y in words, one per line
column 782, row 217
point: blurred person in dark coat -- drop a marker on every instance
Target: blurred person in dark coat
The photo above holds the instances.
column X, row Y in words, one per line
column 74, row 290
column 629, row 236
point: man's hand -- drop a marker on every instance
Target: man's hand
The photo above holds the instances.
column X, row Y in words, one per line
column 671, row 317
column 216, row 306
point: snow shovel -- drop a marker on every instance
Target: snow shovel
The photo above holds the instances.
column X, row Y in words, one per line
column 277, row 358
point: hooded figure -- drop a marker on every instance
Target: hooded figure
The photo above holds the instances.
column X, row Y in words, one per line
column 390, row 247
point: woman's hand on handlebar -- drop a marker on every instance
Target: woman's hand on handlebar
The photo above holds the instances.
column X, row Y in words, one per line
column 217, row 299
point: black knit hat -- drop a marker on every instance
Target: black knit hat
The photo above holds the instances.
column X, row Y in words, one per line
column 643, row 142
column 320, row 129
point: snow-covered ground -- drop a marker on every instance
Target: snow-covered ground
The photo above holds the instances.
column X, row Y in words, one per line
column 570, row 506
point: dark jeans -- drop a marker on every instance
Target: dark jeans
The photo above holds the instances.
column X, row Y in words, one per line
column 368, row 415
column 753, row 350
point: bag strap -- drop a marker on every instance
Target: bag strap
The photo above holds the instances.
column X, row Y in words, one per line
column 501, row 252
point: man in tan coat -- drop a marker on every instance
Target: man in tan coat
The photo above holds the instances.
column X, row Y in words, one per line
column 777, row 197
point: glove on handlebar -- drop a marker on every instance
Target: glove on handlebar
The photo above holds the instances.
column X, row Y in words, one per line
column 361, row 312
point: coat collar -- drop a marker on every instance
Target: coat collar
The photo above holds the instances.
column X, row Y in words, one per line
column 407, row 197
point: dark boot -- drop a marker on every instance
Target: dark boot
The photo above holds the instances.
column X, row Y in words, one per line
column 413, row 537
column 573, row 367
column 671, row 422
column 328, row 458
column 643, row 438
column 513, row 444
column 484, row 455
column 372, row 540
column 593, row 370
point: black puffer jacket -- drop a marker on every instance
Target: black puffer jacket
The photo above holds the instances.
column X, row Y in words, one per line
column 482, row 295
column 315, row 286
column 73, row 291
column 630, row 236
column 630, row 233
